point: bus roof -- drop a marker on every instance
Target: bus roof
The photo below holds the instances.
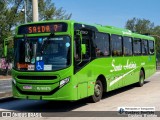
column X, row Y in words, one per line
column 100, row 28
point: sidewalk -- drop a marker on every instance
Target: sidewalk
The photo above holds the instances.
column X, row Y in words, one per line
column 8, row 77
column 5, row 89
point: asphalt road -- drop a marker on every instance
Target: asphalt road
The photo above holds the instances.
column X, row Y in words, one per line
column 130, row 96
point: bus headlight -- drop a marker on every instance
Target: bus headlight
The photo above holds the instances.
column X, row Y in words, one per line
column 64, row 81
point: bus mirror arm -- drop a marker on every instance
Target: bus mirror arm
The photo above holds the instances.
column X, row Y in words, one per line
column 83, row 49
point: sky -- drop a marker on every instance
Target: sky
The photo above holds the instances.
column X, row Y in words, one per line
column 111, row 12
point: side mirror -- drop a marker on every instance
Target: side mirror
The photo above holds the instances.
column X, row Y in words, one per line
column 83, row 48
column 5, row 51
column 5, row 48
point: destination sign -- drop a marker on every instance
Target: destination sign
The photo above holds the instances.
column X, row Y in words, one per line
column 42, row 28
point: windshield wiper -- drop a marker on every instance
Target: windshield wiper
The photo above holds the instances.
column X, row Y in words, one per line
column 46, row 42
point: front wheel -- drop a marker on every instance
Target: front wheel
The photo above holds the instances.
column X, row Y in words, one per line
column 98, row 90
column 141, row 79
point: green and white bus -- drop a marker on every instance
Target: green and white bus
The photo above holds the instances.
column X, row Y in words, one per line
column 68, row 60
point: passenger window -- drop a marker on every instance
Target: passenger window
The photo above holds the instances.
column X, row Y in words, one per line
column 127, row 46
column 144, row 47
column 137, row 46
column 151, row 47
column 116, row 43
column 102, row 45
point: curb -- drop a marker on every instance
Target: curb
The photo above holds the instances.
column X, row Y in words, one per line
column 5, row 95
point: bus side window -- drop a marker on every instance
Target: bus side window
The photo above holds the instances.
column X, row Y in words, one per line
column 102, row 45
column 127, row 46
column 144, row 47
column 116, row 45
column 137, row 46
column 151, row 47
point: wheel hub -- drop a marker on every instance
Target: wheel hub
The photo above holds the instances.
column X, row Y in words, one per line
column 97, row 90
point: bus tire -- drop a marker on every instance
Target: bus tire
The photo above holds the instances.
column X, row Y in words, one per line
column 141, row 79
column 98, row 91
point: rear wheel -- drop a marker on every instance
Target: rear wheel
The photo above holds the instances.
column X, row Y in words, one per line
column 98, row 90
column 141, row 79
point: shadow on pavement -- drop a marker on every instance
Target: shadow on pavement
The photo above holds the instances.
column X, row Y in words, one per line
column 120, row 90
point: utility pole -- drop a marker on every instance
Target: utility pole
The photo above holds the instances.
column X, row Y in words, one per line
column 35, row 10
column 25, row 11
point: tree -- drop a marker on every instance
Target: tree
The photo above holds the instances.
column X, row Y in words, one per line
column 140, row 26
column 143, row 26
column 9, row 17
column 156, row 34
column 48, row 11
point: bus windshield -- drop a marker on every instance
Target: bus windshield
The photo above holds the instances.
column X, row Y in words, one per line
column 42, row 53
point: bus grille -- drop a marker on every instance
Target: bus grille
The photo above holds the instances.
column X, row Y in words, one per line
column 37, row 77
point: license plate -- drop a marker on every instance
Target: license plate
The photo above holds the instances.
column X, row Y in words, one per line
column 44, row 88
column 27, row 87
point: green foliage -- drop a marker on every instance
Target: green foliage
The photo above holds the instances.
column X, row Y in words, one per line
column 140, row 26
column 9, row 18
column 143, row 26
column 48, row 11
column 156, row 33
